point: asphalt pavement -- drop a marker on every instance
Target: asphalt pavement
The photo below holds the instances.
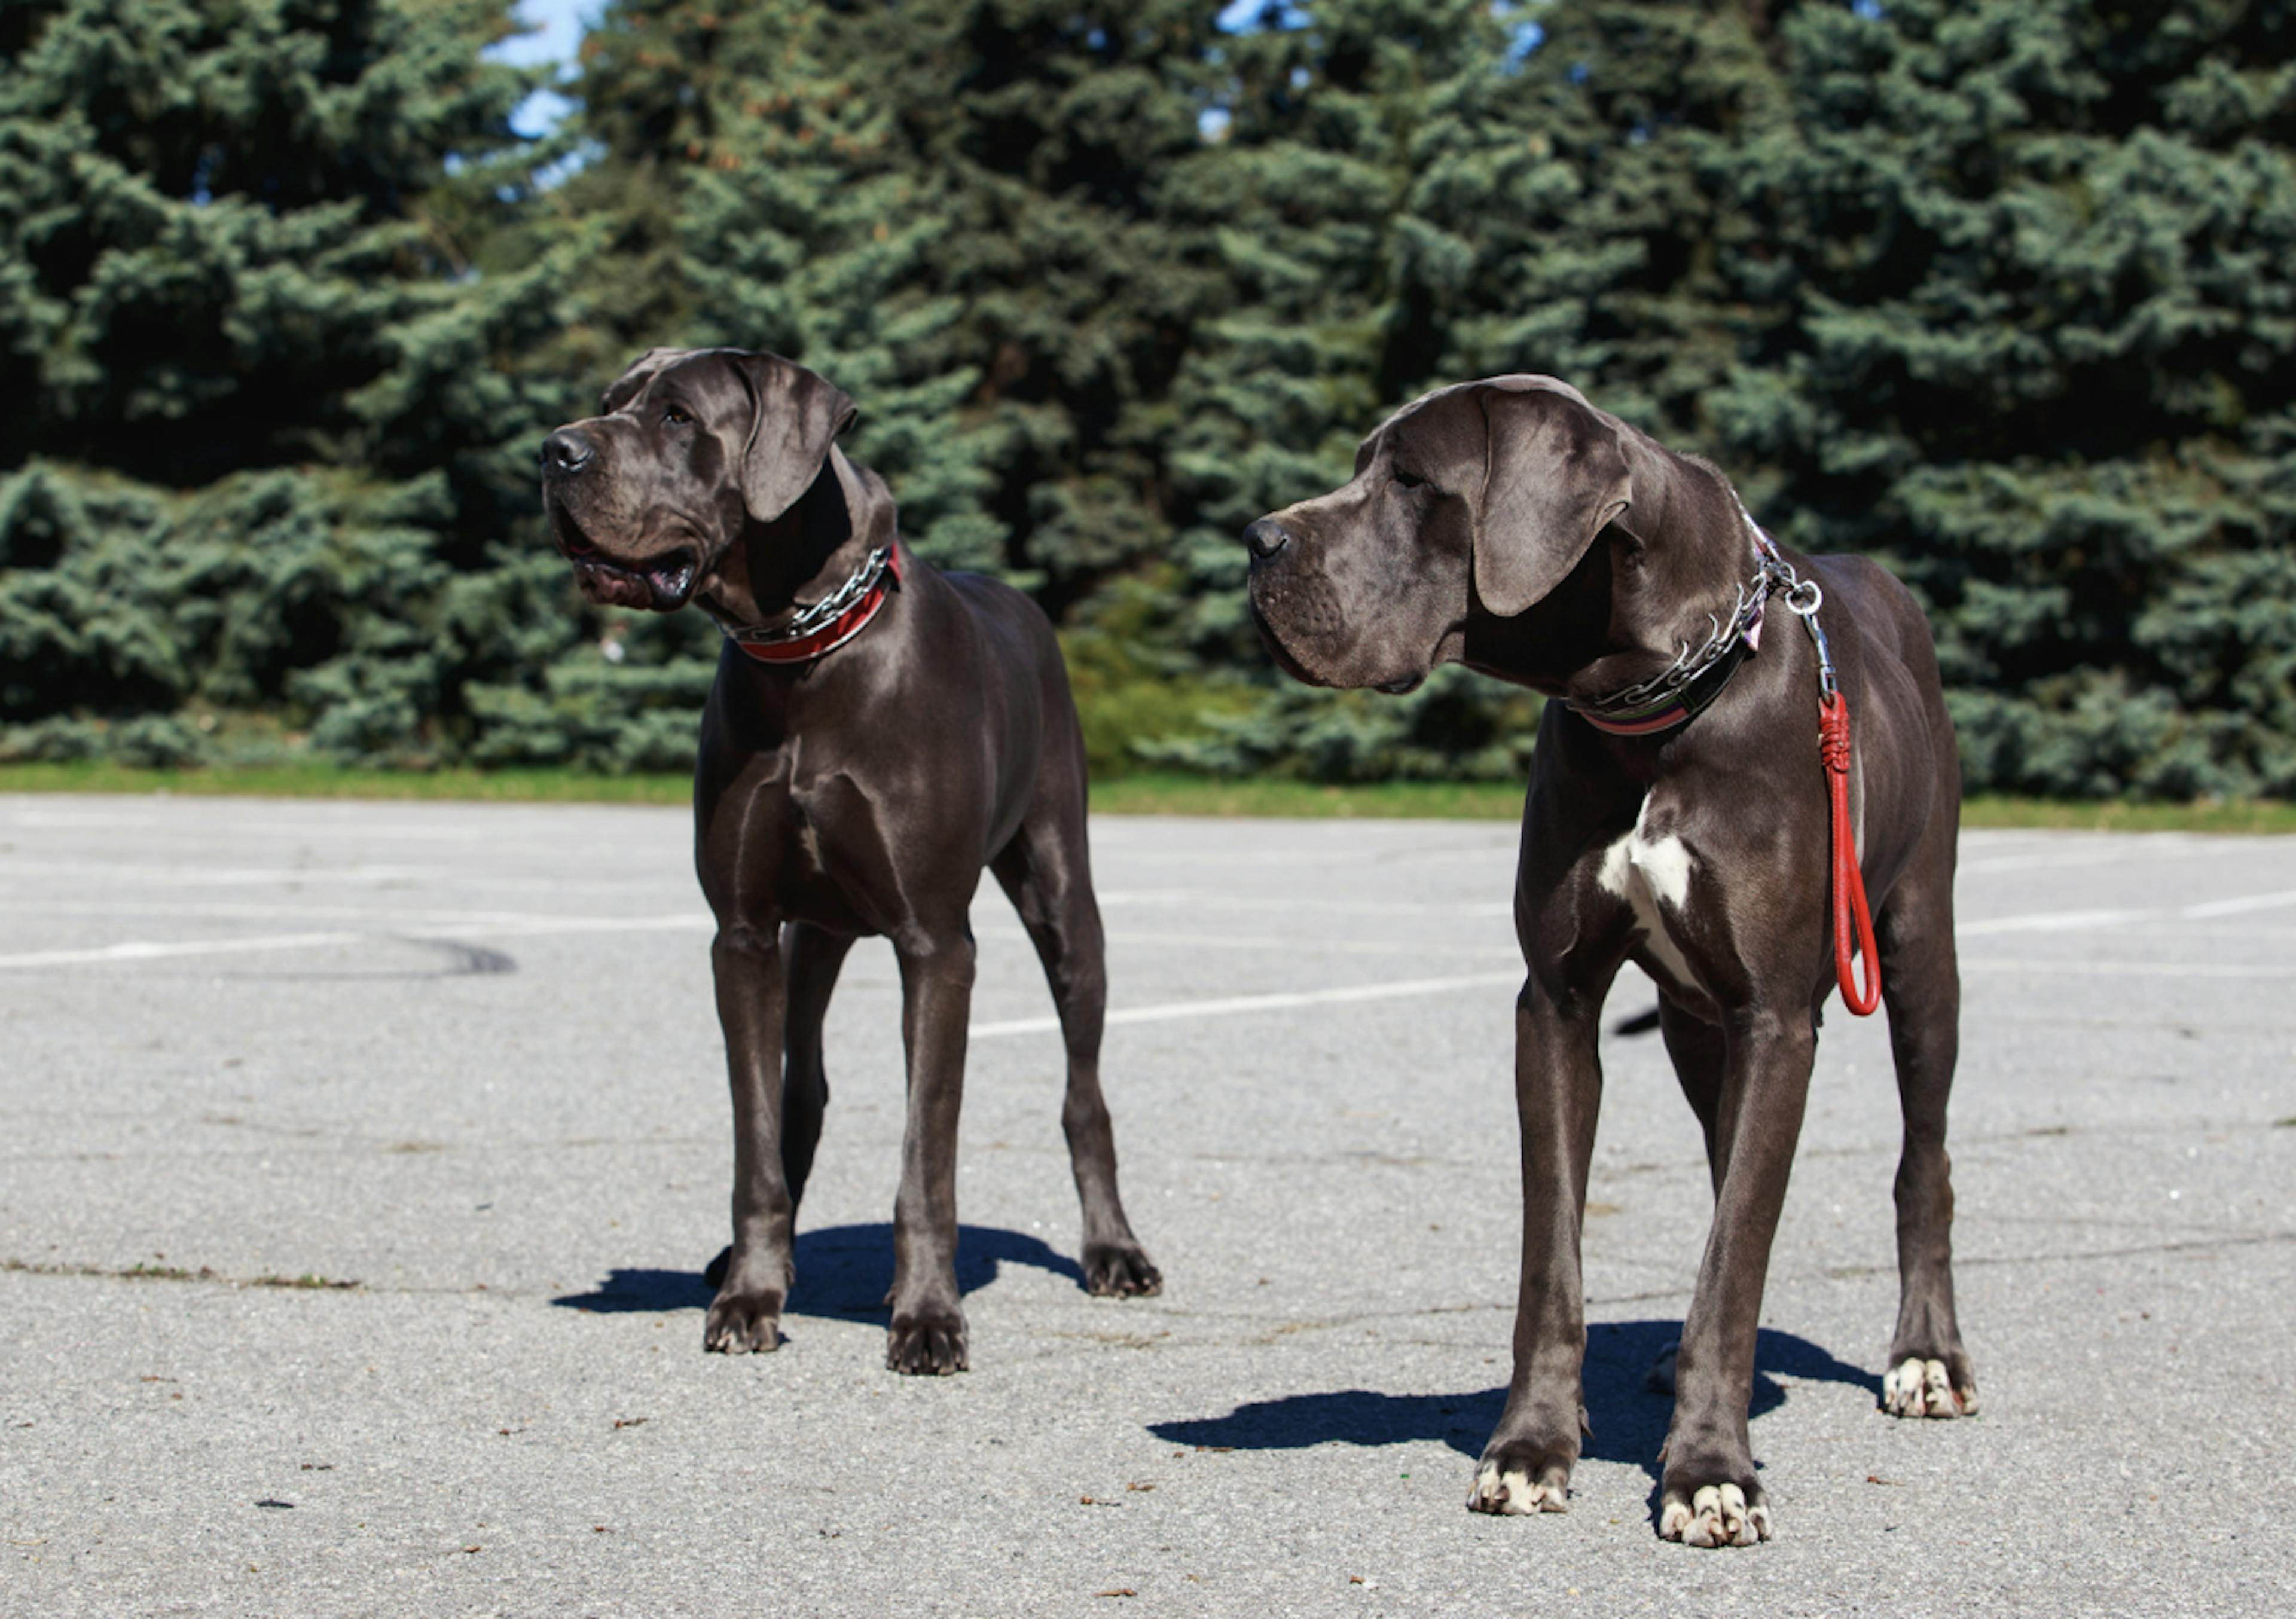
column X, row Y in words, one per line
column 359, row 1162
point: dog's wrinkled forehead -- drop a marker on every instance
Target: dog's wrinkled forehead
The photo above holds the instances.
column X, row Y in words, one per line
column 1439, row 425
column 1450, row 421
column 702, row 373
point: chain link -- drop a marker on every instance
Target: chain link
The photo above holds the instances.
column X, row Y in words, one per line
column 1802, row 598
column 825, row 611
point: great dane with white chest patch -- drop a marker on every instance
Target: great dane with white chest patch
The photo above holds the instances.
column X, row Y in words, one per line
column 1678, row 816
column 878, row 733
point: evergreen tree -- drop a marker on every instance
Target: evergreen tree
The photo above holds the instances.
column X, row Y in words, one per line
column 1998, row 292
column 1384, row 168
column 2041, row 358
column 269, row 424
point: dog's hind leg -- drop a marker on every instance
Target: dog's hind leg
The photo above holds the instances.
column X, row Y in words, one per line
column 1046, row 872
column 1930, row 1373
column 1699, row 1054
column 815, row 957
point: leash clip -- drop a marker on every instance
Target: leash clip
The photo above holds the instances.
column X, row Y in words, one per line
column 1802, row 598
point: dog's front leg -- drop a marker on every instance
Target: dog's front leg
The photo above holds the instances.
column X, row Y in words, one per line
column 1558, row 1089
column 927, row 1335
column 1708, row 1495
column 752, row 1006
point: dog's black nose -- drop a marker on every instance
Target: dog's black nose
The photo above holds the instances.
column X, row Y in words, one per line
column 566, row 451
column 1266, row 537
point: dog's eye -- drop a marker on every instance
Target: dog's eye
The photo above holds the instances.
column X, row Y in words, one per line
column 1407, row 480
column 675, row 416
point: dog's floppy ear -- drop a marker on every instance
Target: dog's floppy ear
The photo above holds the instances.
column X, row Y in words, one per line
column 800, row 413
column 641, row 370
column 1554, row 473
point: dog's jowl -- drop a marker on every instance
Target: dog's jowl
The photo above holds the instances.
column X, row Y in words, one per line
column 1678, row 817
column 878, row 734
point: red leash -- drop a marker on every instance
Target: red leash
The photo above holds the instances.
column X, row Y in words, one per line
column 1853, row 926
column 1849, row 881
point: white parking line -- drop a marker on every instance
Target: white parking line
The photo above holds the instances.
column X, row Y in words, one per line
column 2134, row 970
column 507, row 924
column 2053, row 921
column 2235, row 907
column 147, row 950
column 2066, row 921
column 1233, row 1005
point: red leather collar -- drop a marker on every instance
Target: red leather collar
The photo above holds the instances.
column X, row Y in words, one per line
column 822, row 639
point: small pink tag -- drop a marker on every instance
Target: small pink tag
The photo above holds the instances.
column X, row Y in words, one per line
column 1753, row 636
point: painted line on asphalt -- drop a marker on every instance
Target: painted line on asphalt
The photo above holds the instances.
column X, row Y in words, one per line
column 2053, row 921
column 2134, row 970
column 150, row 950
column 499, row 925
column 147, row 950
column 2235, row 907
column 1231, row 1006
column 2074, row 922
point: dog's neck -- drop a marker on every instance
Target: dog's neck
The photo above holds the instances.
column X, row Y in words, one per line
column 1652, row 582
column 775, row 568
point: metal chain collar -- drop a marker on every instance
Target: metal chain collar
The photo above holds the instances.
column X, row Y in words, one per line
column 822, row 613
column 1773, row 575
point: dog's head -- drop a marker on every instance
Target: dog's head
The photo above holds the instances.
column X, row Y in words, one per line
column 693, row 444
column 1487, row 493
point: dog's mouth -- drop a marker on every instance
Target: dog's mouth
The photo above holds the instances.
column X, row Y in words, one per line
column 657, row 583
column 1277, row 650
column 1291, row 664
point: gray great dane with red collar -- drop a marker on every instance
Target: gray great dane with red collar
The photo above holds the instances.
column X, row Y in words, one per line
column 1677, row 817
column 878, row 733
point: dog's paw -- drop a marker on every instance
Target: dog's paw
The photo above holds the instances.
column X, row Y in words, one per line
column 1715, row 1515
column 743, row 1323
column 1515, row 1480
column 928, row 1346
column 1114, row 1270
column 1919, row 1387
column 1510, row 1492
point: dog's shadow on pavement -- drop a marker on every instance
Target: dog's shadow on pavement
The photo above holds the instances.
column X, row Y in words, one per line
column 843, row 1270
column 1630, row 1417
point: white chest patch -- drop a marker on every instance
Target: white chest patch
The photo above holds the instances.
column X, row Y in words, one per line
column 1652, row 876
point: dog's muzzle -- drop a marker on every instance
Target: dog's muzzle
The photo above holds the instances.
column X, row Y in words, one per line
column 661, row 584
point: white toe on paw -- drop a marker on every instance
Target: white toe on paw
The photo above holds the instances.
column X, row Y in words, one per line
column 1717, row 1515
column 1512, row 1494
column 1916, row 1387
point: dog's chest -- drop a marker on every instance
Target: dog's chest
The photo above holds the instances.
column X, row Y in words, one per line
column 826, row 875
column 1653, row 871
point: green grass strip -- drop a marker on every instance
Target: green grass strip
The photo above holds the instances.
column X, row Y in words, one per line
column 1147, row 794
column 328, row 781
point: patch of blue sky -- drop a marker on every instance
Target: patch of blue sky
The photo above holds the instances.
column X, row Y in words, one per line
column 553, row 34
column 1238, row 15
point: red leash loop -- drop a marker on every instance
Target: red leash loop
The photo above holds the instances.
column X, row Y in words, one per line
column 1848, row 882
